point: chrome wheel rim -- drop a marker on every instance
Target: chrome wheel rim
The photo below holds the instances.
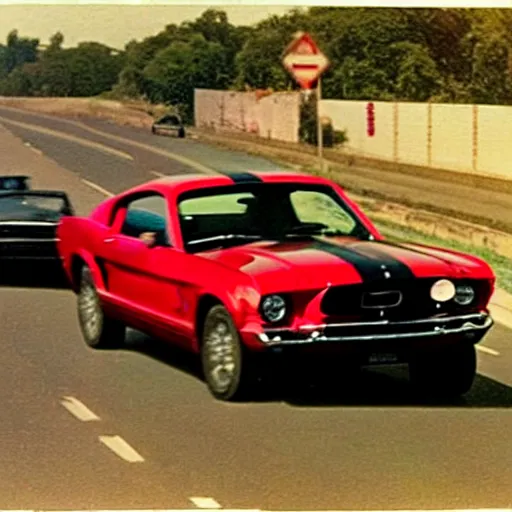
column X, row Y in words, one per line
column 220, row 355
column 90, row 311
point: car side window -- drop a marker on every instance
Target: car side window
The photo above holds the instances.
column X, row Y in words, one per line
column 147, row 214
column 313, row 206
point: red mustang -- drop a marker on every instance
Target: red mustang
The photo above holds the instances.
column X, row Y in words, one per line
column 239, row 267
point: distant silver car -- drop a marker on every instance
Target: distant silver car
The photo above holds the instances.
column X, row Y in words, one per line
column 169, row 123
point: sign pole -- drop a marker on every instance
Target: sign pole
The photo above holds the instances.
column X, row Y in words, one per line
column 319, row 127
column 306, row 63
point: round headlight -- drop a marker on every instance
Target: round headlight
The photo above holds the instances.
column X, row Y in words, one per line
column 464, row 295
column 442, row 290
column 273, row 308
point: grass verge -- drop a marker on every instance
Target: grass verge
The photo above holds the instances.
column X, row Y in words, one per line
column 502, row 266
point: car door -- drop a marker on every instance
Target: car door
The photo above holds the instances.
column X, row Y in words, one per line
column 143, row 267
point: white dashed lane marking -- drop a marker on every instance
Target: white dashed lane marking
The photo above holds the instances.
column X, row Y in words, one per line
column 104, row 191
column 121, row 448
column 36, row 150
column 78, row 409
column 209, row 503
column 487, row 350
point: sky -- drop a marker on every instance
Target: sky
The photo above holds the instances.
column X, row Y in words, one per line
column 114, row 25
column 116, row 22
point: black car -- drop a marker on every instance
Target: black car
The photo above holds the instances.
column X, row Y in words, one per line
column 170, row 123
column 28, row 224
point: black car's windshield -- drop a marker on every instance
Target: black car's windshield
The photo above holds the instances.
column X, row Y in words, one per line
column 31, row 207
column 241, row 214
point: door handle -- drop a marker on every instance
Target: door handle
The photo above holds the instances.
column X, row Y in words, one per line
column 109, row 240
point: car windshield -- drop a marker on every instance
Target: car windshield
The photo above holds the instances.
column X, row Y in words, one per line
column 31, row 207
column 222, row 216
column 171, row 120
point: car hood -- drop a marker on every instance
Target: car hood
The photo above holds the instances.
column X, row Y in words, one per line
column 317, row 262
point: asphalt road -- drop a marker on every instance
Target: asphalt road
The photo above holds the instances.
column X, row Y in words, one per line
column 369, row 446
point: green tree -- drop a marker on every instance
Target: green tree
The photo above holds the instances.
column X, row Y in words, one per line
column 491, row 81
column 418, row 78
column 175, row 71
column 18, row 51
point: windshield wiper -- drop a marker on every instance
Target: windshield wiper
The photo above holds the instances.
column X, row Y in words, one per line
column 232, row 236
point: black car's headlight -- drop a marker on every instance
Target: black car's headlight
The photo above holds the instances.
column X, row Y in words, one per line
column 273, row 308
column 464, row 294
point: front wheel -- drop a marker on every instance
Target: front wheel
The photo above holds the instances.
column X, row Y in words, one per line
column 224, row 360
column 449, row 372
column 99, row 330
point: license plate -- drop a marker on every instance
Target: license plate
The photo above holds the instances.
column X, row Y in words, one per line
column 383, row 358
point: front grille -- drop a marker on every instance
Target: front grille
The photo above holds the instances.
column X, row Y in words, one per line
column 28, row 249
column 15, row 230
column 399, row 299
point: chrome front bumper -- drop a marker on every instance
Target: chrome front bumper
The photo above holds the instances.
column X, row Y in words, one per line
column 476, row 324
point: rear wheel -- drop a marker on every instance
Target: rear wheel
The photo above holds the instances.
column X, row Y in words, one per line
column 98, row 329
column 225, row 362
column 449, row 372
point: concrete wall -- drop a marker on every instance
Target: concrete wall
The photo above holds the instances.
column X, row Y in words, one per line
column 275, row 116
column 468, row 138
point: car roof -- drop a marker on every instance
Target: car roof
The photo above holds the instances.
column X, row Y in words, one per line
column 180, row 183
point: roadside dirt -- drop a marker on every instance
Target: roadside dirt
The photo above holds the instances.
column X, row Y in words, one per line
column 136, row 113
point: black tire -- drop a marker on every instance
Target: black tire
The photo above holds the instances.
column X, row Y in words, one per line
column 236, row 384
column 104, row 332
column 153, row 130
column 181, row 133
column 448, row 372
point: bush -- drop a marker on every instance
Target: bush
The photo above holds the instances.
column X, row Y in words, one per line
column 308, row 126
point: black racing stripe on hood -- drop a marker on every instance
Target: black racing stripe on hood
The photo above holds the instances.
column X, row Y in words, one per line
column 370, row 263
column 242, row 177
column 417, row 250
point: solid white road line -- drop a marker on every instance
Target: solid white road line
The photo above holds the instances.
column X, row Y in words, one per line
column 487, row 350
column 153, row 149
column 130, row 142
column 71, row 138
column 104, row 191
column 200, row 502
column 121, row 448
column 78, row 409
column 158, row 174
